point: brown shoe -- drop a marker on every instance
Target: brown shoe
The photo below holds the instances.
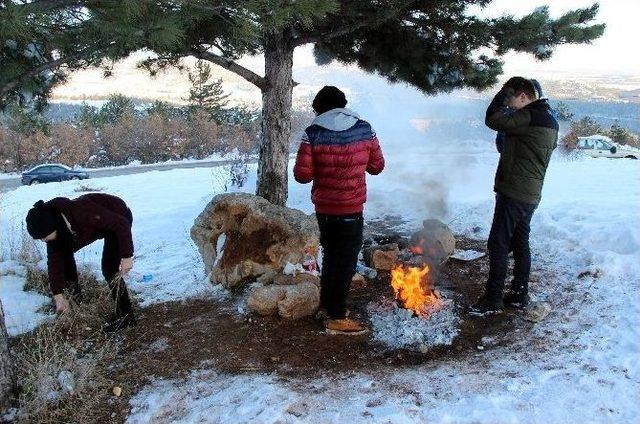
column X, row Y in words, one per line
column 346, row 326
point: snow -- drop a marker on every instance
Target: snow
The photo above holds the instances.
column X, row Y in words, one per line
column 20, row 307
column 581, row 364
column 467, row 255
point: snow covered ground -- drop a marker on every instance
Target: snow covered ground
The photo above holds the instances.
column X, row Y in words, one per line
column 580, row 365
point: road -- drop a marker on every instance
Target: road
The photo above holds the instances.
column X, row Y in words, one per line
column 13, row 183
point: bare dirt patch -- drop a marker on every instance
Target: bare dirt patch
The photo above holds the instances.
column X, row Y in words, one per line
column 174, row 338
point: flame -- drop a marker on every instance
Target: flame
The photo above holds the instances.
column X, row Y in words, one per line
column 413, row 288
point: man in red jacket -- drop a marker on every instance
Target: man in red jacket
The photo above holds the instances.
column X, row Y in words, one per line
column 336, row 151
column 69, row 225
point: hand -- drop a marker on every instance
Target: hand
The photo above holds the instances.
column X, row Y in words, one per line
column 62, row 304
column 125, row 265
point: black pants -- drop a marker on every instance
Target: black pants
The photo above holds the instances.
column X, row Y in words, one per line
column 341, row 240
column 110, row 268
column 509, row 232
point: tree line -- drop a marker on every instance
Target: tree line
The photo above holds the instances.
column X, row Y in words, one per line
column 120, row 131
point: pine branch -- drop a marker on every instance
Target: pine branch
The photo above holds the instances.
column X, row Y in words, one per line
column 316, row 37
column 12, row 84
column 232, row 66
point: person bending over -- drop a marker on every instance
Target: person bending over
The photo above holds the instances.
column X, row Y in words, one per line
column 66, row 226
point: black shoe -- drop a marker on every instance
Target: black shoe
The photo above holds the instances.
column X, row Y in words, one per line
column 487, row 305
column 119, row 323
column 518, row 300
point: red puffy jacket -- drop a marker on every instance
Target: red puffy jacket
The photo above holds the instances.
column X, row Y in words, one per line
column 336, row 151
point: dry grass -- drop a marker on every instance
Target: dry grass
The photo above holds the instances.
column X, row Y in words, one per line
column 71, row 345
column 36, row 280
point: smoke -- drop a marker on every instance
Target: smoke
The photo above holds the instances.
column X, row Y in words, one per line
column 436, row 198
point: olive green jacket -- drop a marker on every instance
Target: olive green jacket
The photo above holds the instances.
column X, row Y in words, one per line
column 531, row 134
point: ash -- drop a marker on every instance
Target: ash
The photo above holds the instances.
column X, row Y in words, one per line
column 400, row 328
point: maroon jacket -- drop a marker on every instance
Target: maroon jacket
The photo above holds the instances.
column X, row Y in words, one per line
column 90, row 217
column 336, row 151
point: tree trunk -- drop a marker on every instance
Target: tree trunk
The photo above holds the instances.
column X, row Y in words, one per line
column 276, row 117
column 6, row 365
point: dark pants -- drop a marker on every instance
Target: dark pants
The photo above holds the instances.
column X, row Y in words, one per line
column 341, row 240
column 110, row 269
column 509, row 232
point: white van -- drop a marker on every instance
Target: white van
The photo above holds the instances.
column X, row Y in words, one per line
column 601, row 146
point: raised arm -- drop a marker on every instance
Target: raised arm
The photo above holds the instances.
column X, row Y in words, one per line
column 502, row 119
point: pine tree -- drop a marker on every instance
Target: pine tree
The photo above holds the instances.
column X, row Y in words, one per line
column 563, row 111
column 206, row 94
column 430, row 44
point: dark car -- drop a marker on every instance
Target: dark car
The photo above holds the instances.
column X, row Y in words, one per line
column 51, row 172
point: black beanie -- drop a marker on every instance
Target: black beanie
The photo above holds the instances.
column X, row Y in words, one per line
column 41, row 220
column 329, row 97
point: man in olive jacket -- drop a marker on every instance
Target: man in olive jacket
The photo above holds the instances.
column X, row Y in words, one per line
column 531, row 134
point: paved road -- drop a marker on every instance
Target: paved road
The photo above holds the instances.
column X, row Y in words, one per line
column 13, row 183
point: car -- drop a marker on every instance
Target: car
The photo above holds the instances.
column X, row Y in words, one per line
column 50, row 172
column 601, row 146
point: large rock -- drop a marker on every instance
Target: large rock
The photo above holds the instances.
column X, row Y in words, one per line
column 300, row 300
column 244, row 238
column 290, row 301
column 434, row 241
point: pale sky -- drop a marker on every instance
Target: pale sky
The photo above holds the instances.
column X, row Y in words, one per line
column 616, row 51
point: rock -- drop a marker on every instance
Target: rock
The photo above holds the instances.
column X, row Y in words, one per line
column 117, row 391
column 300, row 301
column 264, row 300
column 267, row 277
column 435, row 241
column 283, row 280
column 243, row 238
column 288, row 301
column 287, row 280
column 307, row 278
column 385, row 260
column 382, row 256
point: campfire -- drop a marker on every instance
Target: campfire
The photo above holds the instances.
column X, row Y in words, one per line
column 413, row 288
